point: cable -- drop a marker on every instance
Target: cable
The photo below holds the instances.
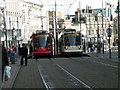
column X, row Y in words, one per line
column 70, row 6
column 66, row 1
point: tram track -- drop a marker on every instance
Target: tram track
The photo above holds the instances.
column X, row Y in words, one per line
column 69, row 79
column 72, row 76
column 54, row 74
column 48, row 84
column 94, row 71
column 64, row 67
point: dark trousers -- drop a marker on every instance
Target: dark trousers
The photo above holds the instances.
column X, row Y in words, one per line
column 22, row 57
column 2, row 73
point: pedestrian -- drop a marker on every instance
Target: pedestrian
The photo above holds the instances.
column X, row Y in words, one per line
column 9, row 51
column 5, row 61
column 12, row 56
column 14, row 48
column 23, row 53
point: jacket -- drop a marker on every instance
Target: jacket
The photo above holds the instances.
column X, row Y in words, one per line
column 5, row 61
column 23, row 51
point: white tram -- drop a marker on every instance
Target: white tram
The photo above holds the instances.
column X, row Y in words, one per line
column 70, row 42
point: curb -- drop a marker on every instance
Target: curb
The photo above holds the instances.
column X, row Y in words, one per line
column 14, row 73
column 13, row 80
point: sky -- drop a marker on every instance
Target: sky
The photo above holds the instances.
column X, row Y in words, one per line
column 70, row 6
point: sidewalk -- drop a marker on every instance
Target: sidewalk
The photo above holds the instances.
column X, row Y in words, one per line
column 14, row 71
column 28, row 77
column 105, row 55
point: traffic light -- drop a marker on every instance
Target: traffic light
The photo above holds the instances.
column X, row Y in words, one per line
column 111, row 17
column 90, row 11
column 96, row 18
column 83, row 10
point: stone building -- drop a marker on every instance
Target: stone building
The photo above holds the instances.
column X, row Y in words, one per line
column 23, row 17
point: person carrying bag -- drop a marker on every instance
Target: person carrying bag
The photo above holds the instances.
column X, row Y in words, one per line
column 7, row 73
column 5, row 65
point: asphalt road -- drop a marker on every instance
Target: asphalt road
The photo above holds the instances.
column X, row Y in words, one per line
column 69, row 72
column 96, row 74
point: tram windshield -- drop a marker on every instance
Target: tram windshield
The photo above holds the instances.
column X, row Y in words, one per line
column 72, row 39
column 42, row 40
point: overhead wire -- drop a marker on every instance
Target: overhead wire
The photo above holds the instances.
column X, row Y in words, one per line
column 60, row 4
column 70, row 6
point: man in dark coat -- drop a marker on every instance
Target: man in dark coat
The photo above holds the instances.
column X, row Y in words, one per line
column 24, row 53
column 5, row 61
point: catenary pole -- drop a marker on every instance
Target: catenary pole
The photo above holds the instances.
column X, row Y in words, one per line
column 56, row 38
column 118, row 28
column 102, row 27
column 80, row 21
column 97, row 32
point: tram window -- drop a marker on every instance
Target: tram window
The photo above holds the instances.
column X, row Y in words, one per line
column 41, row 40
column 36, row 42
column 48, row 41
column 72, row 40
column 66, row 40
column 78, row 40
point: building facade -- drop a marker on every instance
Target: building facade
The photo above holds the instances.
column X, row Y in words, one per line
column 23, row 17
column 93, row 26
column 59, row 21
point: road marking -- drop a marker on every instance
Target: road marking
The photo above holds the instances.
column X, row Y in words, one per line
column 105, row 64
column 73, row 76
column 102, row 63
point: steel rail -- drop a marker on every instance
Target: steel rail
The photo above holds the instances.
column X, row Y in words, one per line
column 68, row 73
column 46, row 82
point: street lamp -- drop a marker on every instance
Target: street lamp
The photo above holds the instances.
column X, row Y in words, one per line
column 102, row 27
column 118, row 40
column 109, row 32
column 118, row 28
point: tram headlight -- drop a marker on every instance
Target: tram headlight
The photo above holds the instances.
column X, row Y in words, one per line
column 48, row 48
column 66, row 47
column 35, row 49
column 79, row 47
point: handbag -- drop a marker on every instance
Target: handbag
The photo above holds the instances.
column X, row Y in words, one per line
column 7, row 72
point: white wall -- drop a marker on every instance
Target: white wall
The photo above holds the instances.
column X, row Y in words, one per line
column 32, row 17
